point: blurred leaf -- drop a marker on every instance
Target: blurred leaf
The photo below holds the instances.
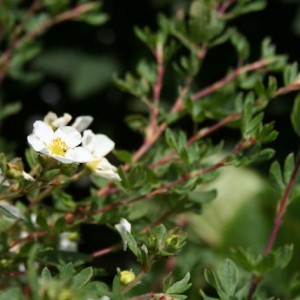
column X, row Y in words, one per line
column 94, row 18
column 46, row 274
column 228, row 273
column 14, row 293
column 9, row 109
column 288, row 167
column 180, row 286
column 276, row 176
column 36, row 22
column 85, row 73
column 82, row 278
column 10, row 211
column 295, row 115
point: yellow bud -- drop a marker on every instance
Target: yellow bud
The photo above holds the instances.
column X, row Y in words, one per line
column 172, row 240
column 126, row 277
column 4, row 262
column 73, row 236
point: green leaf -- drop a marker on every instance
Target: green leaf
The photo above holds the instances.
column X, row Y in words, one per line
column 284, row 256
column 67, row 271
column 276, row 176
column 94, row 18
column 123, row 156
column 290, row 73
column 228, row 274
column 10, row 109
column 132, row 244
column 10, row 211
column 13, row 293
column 32, row 272
column 42, row 221
column 167, row 282
column 58, row 258
column 180, row 286
column 31, row 157
column 295, row 115
column 288, row 167
column 82, row 278
column 202, row 197
column 46, row 274
column 212, row 278
column 36, row 21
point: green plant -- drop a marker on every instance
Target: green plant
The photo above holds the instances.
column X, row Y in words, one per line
column 157, row 191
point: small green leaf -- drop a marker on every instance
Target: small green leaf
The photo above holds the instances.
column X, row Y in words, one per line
column 10, row 109
column 284, row 256
column 46, row 274
column 42, row 221
column 212, row 278
column 228, row 274
column 132, row 244
column 290, row 73
column 180, row 286
column 167, row 282
column 288, row 167
column 295, row 115
column 67, row 271
column 82, row 278
column 276, row 176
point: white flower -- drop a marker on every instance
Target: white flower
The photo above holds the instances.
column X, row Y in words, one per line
column 66, row 243
column 100, row 145
column 61, row 144
column 123, row 227
column 81, row 123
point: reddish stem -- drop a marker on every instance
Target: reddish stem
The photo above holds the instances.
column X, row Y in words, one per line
column 107, row 250
column 280, row 213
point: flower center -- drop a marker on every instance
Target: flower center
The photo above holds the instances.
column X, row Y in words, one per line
column 58, row 147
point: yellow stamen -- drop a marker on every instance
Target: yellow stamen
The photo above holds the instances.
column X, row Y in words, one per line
column 58, row 147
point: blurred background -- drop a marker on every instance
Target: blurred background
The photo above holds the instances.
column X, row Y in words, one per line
column 74, row 74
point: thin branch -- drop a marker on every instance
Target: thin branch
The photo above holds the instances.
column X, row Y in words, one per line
column 160, row 220
column 199, row 95
column 262, row 63
column 280, row 213
column 159, row 56
column 239, row 147
column 65, row 16
column 107, row 250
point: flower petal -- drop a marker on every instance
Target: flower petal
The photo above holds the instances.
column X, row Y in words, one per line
column 79, row 154
column 36, row 143
column 108, row 174
column 62, row 121
column 69, row 135
column 63, row 159
column 105, row 169
column 43, row 131
column 83, row 122
column 98, row 144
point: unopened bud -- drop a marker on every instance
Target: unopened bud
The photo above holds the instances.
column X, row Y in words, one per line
column 126, row 277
